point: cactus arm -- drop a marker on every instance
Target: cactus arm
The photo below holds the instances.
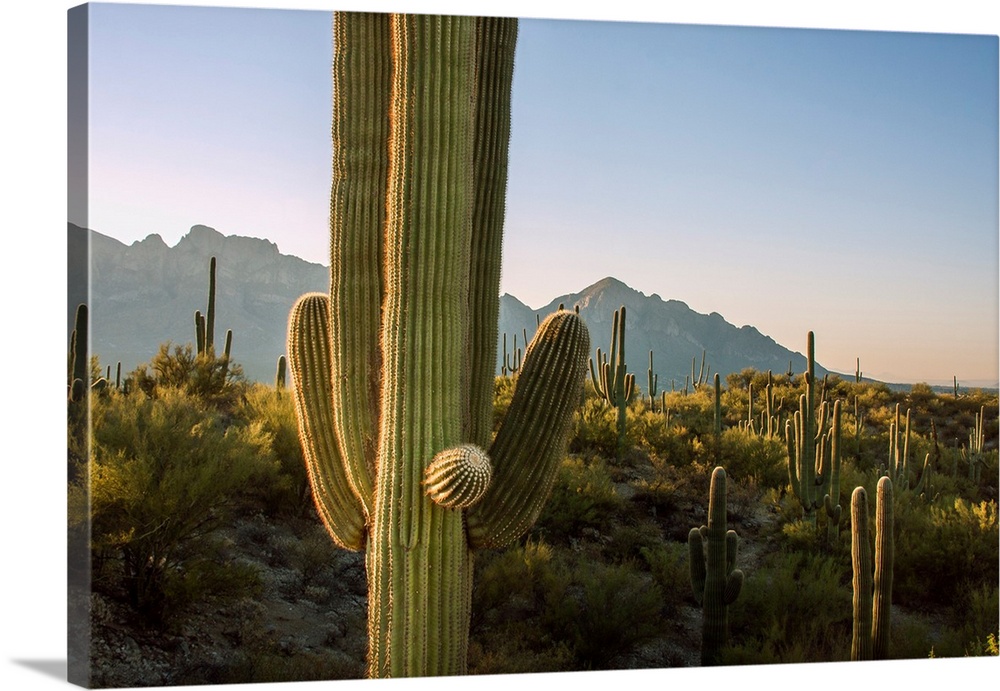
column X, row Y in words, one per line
column 279, row 375
column 696, row 562
column 360, row 133
column 199, row 332
column 906, row 453
column 496, row 39
column 530, row 443
column 793, row 472
column 309, row 362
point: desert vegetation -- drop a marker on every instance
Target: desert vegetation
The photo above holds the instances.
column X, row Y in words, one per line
column 198, row 495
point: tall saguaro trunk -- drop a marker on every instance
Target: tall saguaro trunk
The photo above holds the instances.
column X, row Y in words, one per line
column 393, row 372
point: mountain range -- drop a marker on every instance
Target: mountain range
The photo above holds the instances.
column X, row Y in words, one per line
column 146, row 293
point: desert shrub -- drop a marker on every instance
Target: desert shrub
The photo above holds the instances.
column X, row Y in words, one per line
column 750, row 457
column 595, row 428
column 511, row 585
column 694, row 411
column 606, row 612
column 503, row 392
column 511, row 591
column 662, row 439
column 664, row 492
column 165, row 474
column 972, row 628
column 627, row 539
column 583, row 497
column 944, row 550
column 668, row 564
column 214, row 380
column 275, row 411
column 797, row 607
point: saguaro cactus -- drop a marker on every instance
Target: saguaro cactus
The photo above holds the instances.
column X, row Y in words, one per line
column 204, row 324
column 714, row 577
column 610, row 377
column 279, row 373
column 872, row 595
column 651, row 379
column 393, row 371
column 831, row 500
column 803, row 434
column 79, row 355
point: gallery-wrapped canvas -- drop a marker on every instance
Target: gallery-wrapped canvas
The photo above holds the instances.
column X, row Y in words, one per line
column 316, row 430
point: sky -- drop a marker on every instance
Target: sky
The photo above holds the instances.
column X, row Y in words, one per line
column 793, row 179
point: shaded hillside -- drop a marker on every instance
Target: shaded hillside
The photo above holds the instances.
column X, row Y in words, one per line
column 673, row 331
column 146, row 293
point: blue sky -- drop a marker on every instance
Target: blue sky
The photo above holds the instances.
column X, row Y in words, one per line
column 792, row 179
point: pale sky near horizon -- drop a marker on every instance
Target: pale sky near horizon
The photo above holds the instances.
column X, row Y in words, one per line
column 843, row 182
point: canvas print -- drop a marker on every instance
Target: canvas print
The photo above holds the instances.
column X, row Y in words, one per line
column 412, row 345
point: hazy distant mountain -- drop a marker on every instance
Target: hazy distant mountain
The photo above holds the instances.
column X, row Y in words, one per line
column 146, row 293
column 673, row 331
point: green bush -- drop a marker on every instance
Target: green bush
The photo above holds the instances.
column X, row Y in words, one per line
column 608, row 610
column 275, row 411
column 668, row 564
column 750, row 457
column 165, row 473
column 664, row 441
column 583, row 497
column 595, row 428
column 797, row 607
column 511, row 592
column 944, row 550
column 214, row 380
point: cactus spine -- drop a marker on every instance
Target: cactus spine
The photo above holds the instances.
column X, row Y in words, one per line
column 714, row 577
column 394, row 370
column 872, row 595
column 610, row 378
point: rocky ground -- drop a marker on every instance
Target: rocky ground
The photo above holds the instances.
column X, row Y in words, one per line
column 307, row 622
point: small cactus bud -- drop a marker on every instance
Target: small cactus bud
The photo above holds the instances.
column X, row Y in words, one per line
column 457, row 478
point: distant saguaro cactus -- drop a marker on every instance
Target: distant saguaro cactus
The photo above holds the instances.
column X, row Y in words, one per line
column 804, row 436
column 872, row 593
column 610, row 377
column 714, row 577
column 279, row 374
column 394, row 371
